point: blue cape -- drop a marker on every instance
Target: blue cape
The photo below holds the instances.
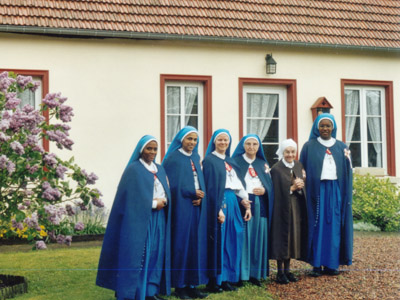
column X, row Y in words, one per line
column 185, row 251
column 215, row 179
column 315, row 130
column 121, row 255
column 312, row 157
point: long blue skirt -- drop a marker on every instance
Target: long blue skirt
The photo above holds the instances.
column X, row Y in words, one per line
column 153, row 257
column 326, row 236
column 231, row 239
column 255, row 242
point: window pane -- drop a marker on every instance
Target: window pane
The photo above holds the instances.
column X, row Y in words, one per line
column 355, row 149
column 191, row 100
column 353, row 129
column 173, row 126
column 192, row 121
column 374, row 129
column 173, row 100
column 27, row 97
column 258, row 126
column 375, row 155
column 262, row 105
column 373, row 103
column 352, row 100
column 270, row 154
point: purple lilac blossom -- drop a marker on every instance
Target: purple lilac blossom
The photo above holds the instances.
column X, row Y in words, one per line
column 23, row 81
column 60, row 239
column 5, row 82
column 27, row 203
column 50, row 193
column 50, row 160
column 10, row 167
column 3, row 161
column 17, row 147
column 55, row 213
column 68, row 240
column 32, row 221
column 82, row 206
column 4, row 124
column 98, row 202
column 60, row 170
column 69, row 210
column 33, row 169
column 91, row 179
column 20, row 206
column 52, row 235
column 12, row 101
column 35, row 85
column 17, row 225
column 31, row 140
column 79, row 226
column 66, row 113
column 40, row 245
column 3, row 137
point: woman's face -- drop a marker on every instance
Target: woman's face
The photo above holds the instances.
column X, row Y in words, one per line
column 325, row 129
column 251, row 147
column 189, row 142
column 149, row 152
column 221, row 143
column 289, row 154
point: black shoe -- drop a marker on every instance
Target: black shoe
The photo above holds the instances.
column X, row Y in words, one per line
column 214, row 288
column 155, row 297
column 181, row 293
column 282, row 279
column 195, row 293
column 239, row 284
column 316, row 272
column 226, row 286
column 255, row 281
column 330, row 272
column 291, row 277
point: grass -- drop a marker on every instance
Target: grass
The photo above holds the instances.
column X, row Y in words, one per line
column 69, row 273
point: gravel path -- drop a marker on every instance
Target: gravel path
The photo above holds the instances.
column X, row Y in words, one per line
column 375, row 273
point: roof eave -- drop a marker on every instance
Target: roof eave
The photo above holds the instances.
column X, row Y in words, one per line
column 164, row 36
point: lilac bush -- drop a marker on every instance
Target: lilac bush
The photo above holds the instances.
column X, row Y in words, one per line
column 37, row 188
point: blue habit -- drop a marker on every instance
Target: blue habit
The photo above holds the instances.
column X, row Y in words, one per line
column 135, row 257
column 224, row 242
column 329, row 204
column 189, row 223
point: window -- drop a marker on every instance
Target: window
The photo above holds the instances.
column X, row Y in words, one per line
column 368, row 123
column 34, row 98
column 184, row 106
column 264, row 110
column 268, row 108
column 185, row 100
column 365, row 125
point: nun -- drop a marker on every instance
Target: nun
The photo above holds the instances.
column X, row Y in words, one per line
column 225, row 192
column 188, row 215
column 135, row 257
column 329, row 186
column 289, row 217
column 255, row 172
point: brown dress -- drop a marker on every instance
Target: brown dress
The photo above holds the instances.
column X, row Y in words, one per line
column 289, row 217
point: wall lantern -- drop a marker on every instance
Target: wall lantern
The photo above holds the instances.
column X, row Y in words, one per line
column 271, row 64
column 320, row 106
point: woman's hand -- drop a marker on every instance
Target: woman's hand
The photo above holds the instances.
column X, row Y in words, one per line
column 196, row 202
column 221, row 216
column 247, row 215
column 298, row 184
column 246, row 203
column 199, row 194
column 259, row 191
column 161, row 203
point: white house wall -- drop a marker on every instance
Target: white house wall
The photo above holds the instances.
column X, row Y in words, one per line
column 114, row 86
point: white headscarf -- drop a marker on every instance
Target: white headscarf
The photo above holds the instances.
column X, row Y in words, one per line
column 284, row 144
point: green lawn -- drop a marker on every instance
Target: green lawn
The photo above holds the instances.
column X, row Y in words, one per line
column 60, row 273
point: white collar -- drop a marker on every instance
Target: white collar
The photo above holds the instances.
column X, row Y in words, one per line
column 152, row 167
column 247, row 159
column 219, row 155
column 288, row 165
column 327, row 143
column 184, row 152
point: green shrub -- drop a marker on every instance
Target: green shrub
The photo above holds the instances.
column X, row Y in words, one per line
column 376, row 201
column 362, row 226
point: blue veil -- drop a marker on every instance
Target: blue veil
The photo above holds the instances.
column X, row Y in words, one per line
column 240, row 147
column 314, row 129
column 177, row 141
column 211, row 145
column 140, row 146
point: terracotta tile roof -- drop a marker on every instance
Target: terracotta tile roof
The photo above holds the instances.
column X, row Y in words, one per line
column 360, row 23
